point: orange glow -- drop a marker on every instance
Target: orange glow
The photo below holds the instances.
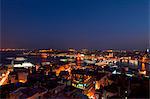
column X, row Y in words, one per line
column 62, row 68
column 143, row 72
column 78, row 58
column 97, row 85
column 44, row 55
column 91, row 94
column 143, row 66
column 50, row 50
column 23, row 81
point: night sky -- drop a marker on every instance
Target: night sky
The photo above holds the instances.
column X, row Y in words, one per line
column 92, row 24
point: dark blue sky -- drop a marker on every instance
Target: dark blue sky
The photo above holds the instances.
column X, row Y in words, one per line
column 93, row 24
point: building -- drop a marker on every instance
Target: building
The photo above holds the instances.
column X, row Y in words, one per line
column 84, row 82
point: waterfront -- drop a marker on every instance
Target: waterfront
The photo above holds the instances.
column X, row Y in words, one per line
column 92, row 74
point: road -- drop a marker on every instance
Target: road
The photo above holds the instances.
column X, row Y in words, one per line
column 4, row 78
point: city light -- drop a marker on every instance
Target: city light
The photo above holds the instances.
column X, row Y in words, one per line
column 24, row 65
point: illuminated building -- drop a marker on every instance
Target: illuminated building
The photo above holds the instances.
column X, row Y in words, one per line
column 110, row 55
column 22, row 77
column 19, row 59
column 84, row 82
column 143, row 69
column 84, row 51
column 71, row 50
column 25, row 65
column 62, row 68
column 44, row 55
column 44, row 51
column 102, row 81
column 78, row 57
column 148, row 50
column 20, row 62
column 109, row 50
column 135, row 62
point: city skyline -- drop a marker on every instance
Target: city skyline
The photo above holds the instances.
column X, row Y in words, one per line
column 75, row 24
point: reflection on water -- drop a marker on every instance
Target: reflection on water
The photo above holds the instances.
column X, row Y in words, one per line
column 141, row 66
column 144, row 66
